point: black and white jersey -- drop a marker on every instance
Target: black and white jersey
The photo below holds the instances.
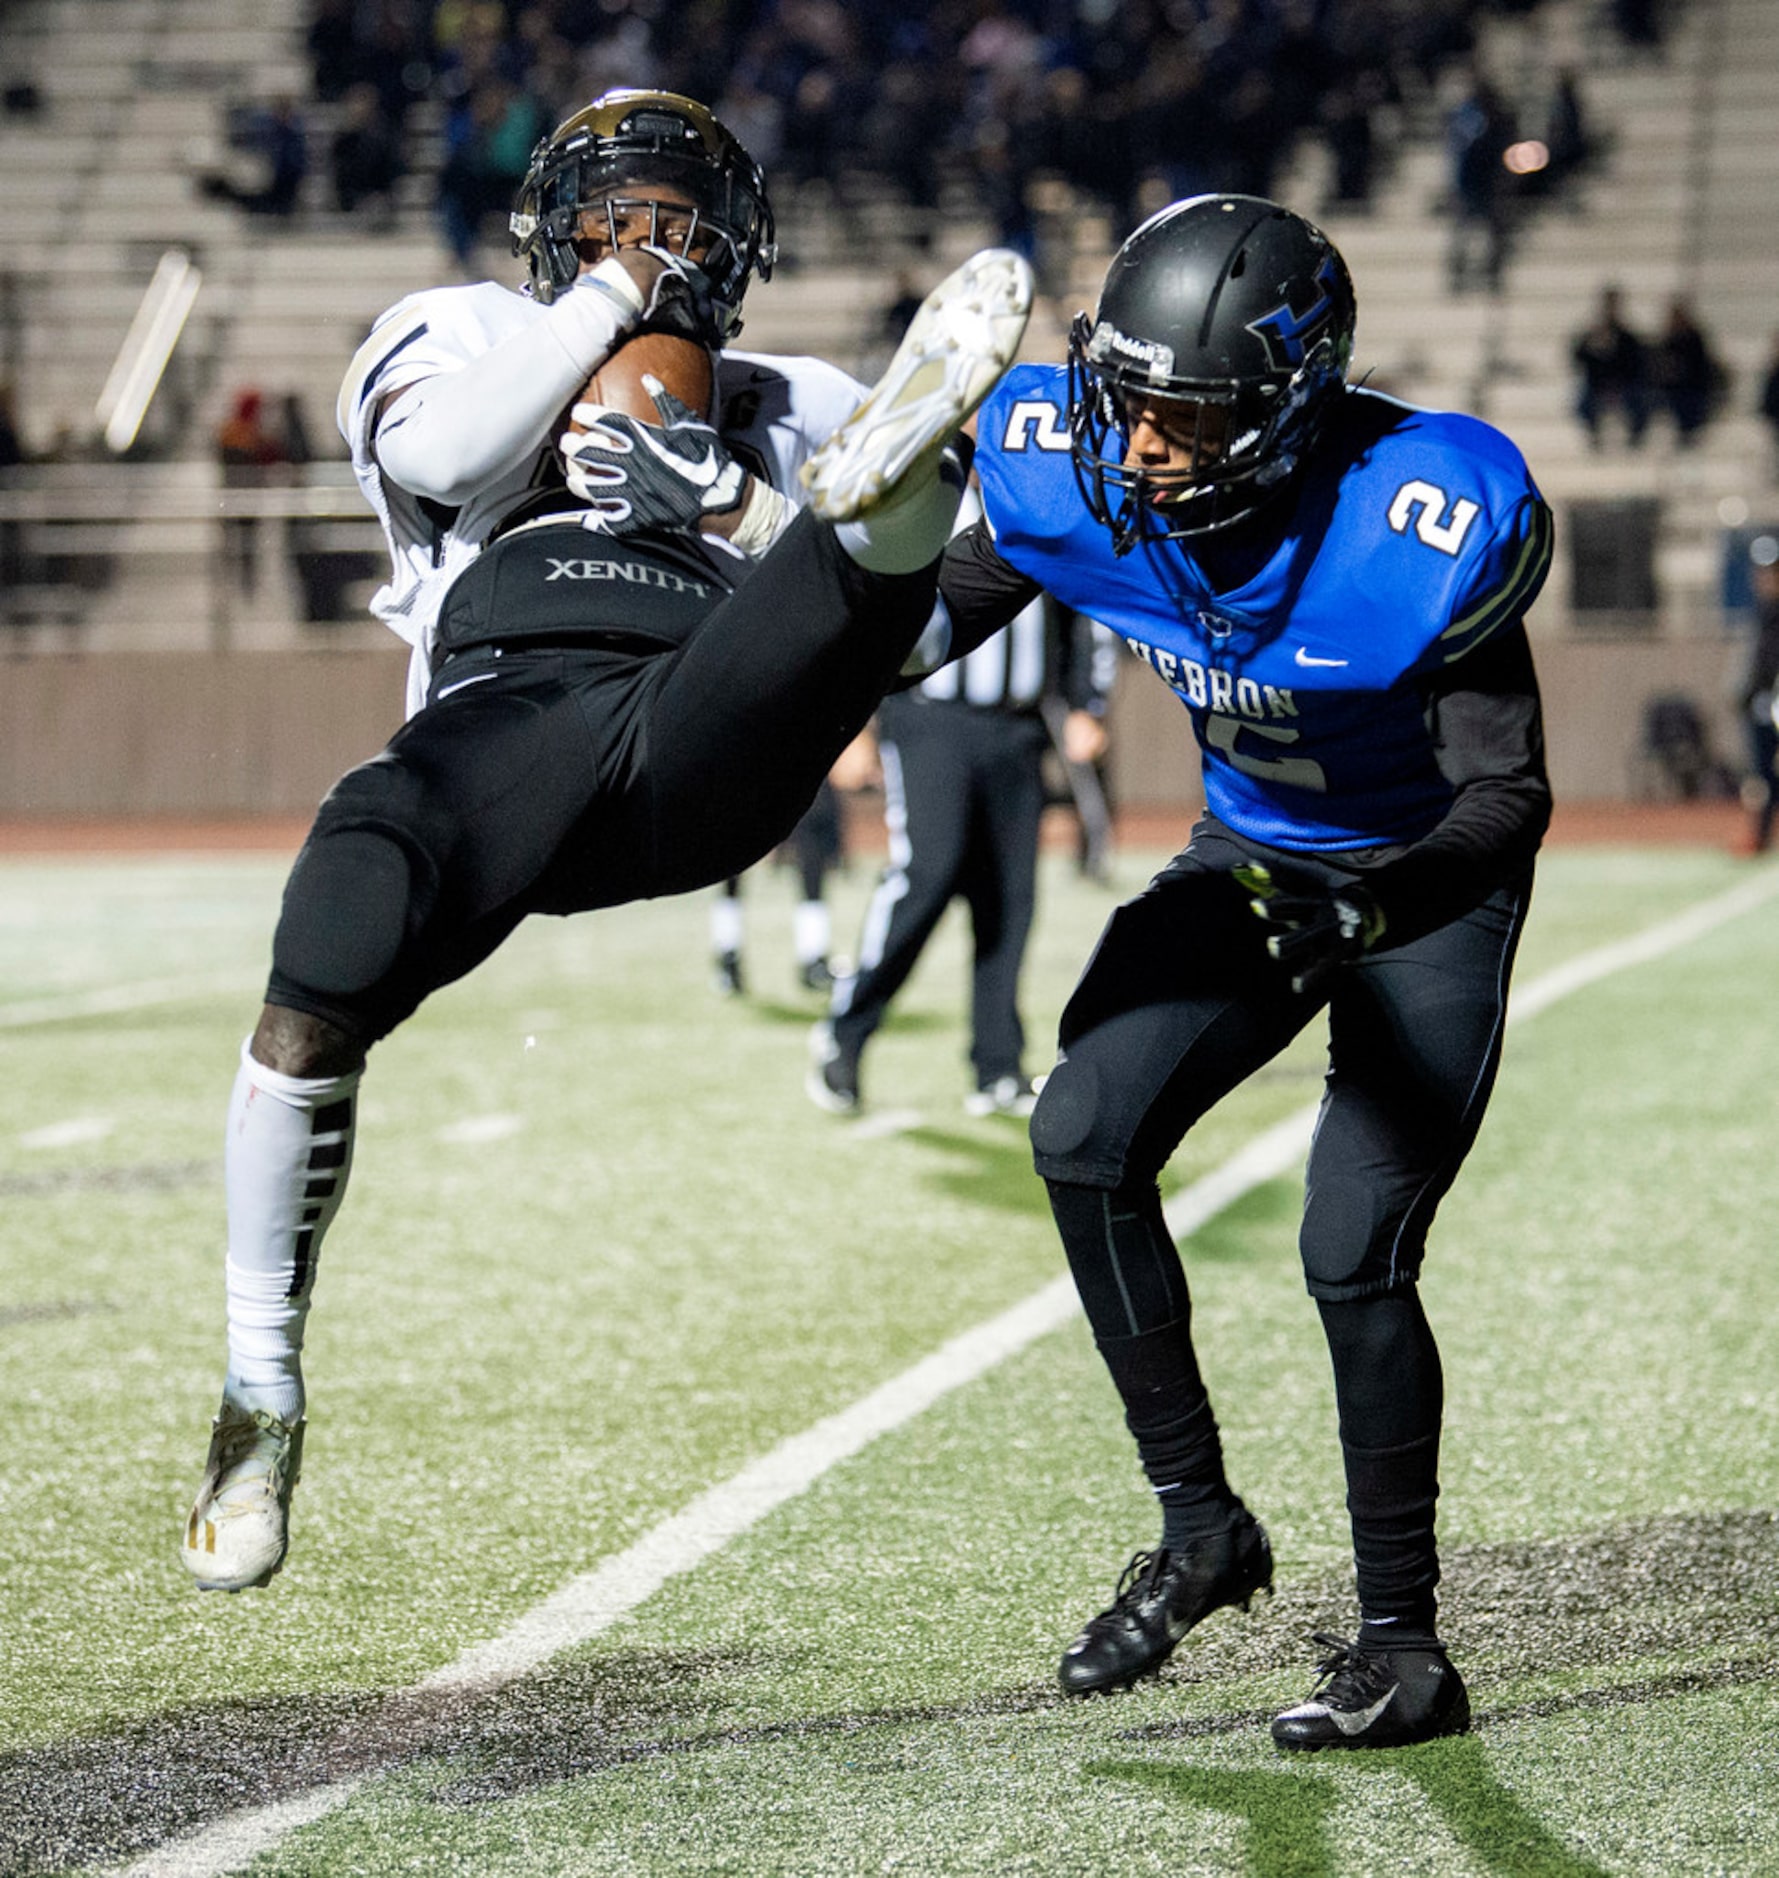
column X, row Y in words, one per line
column 773, row 412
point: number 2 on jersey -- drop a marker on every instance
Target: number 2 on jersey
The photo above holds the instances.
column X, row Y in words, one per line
column 1424, row 504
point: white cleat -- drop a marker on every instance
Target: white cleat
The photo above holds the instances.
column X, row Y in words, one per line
column 238, row 1529
column 965, row 335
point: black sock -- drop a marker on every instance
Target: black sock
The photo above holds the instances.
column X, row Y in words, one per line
column 1391, row 1393
column 1133, row 1290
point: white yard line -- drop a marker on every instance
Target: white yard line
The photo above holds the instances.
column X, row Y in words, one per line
column 596, row 1600
column 112, row 1000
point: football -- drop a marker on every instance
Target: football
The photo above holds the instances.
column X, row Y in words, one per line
column 684, row 367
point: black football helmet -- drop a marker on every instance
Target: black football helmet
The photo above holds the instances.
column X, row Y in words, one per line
column 1221, row 301
column 608, row 154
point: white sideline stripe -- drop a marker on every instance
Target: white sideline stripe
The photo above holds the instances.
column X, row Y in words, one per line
column 596, row 1600
column 110, row 1000
column 1640, row 948
column 75, row 1132
column 238, row 1840
column 884, row 1123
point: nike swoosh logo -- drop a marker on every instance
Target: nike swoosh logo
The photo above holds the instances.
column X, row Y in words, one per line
column 701, row 475
column 1356, row 1721
column 479, row 679
column 1309, row 658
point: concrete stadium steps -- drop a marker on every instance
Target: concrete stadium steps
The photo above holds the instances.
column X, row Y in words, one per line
column 133, row 93
column 1686, row 200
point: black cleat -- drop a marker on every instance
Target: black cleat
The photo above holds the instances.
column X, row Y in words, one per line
column 1376, row 1699
column 832, row 1080
column 1160, row 1597
column 816, row 975
column 725, row 975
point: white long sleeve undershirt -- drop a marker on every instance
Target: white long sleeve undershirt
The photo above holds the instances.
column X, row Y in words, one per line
column 453, row 433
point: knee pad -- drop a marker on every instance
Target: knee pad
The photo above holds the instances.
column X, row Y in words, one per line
column 1069, row 1128
column 1354, row 1238
column 363, row 883
column 346, row 912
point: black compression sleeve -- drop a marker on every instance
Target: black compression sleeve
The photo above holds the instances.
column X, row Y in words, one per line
column 980, row 590
column 1488, row 736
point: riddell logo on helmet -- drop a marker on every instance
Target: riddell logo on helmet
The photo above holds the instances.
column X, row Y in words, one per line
column 1108, row 346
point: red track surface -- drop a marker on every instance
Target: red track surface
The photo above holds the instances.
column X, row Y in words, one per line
column 1716, row 824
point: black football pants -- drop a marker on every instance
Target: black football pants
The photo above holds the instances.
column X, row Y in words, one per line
column 1177, row 1006
column 560, row 777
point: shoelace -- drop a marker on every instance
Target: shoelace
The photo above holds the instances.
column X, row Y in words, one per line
column 1134, row 1582
column 1348, row 1677
column 266, row 1439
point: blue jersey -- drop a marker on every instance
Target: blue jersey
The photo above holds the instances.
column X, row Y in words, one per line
column 1413, row 538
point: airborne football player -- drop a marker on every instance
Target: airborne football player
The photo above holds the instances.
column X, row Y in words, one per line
column 652, row 589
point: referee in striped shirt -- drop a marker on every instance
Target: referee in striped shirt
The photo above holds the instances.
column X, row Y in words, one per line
column 962, row 758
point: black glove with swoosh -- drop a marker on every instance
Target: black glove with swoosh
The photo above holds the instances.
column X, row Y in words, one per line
column 1312, row 930
column 636, row 476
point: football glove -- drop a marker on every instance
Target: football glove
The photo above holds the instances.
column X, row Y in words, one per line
column 1311, row 930
column 636, row 476
column 681, row 302
column 678, row 299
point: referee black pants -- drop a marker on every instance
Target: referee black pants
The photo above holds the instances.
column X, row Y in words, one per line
column 964, row 796
column 587, row 769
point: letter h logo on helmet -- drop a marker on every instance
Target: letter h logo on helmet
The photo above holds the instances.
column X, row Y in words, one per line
column 1285, row 333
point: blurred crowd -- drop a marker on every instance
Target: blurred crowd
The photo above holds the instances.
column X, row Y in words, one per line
column 1129, row 102
column 1631, row 376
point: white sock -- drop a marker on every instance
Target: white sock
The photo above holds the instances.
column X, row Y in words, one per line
column 909, row 531
column 810, row 931
column 285, row 1162
column 725, row 924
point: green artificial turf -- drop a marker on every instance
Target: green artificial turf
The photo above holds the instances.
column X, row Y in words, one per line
column 599, row 1254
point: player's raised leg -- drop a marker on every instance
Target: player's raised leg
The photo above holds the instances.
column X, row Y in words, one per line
column 787, row 671
column 876, row 475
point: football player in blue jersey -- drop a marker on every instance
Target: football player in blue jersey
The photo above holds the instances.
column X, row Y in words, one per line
column 1335, row 585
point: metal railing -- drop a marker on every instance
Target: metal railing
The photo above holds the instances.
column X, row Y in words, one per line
column 92, row 547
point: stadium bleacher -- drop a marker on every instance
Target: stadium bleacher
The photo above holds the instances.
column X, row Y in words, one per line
column 135, row 97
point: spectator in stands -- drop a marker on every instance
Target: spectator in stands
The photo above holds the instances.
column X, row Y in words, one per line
column 489, row 142
column 1477, row 136
column 1769, row 399
column 1684, row 372
column 251, row 454
column 12, row 449
column 276, row 135
column 331, row 39
column 1346, row 116
column 1614, row 366
column 1760, row 696
column 1567, row 135
column 366, row 155
column 394, row 55
column 1638, row 22
column 12, row 454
